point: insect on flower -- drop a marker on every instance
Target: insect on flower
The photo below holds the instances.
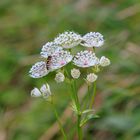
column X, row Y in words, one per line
column 48, row 62
column 60, row 59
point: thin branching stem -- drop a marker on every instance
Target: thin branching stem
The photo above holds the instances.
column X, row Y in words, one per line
column 93, row 95
column 59, row 122
column 76, row 95
column 85, row 100
column 77, row 102
column 89, row 95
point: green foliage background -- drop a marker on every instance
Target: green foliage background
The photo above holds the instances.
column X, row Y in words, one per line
column 25, row 25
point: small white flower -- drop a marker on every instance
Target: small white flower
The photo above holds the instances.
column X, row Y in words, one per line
column 60, row 60
column 43, row 92
column 59, row 77
column 92, row 39
column 104, row 61
column 91, row 77
column 35, row 92
column 38, row 70
column 45, row 89
column 68, row 39
column 85, row 59
column 50, row 49
column 75, row 73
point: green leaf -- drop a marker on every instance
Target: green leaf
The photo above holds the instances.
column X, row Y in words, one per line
column 87, row 111
column 74, row 107
column 88, row 117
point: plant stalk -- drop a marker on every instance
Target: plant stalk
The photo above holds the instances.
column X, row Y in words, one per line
column 59, row 123
column 93, row 96
column 79, row 127
column 77, row 102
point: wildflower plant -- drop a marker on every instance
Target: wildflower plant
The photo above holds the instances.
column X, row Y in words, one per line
column 56, row 55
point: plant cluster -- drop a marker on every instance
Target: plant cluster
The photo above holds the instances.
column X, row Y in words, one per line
column 56, row 55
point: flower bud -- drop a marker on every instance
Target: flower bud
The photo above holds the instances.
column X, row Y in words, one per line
column 45, row 89
column 35, row 92
column 104, row 61
column 75, row 73
column 59, row 77
column 91, row 77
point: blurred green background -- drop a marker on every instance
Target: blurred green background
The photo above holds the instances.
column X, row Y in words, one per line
column 25, row 25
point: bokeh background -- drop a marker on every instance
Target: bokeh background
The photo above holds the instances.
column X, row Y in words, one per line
column 25, row 25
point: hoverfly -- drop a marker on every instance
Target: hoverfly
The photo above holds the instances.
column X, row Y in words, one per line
column 48, row 62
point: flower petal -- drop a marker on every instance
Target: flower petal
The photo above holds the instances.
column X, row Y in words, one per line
column 38, row 70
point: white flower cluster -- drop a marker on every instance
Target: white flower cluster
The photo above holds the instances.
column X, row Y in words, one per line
column 60, row 60
column 44, row 92
column 55, row 61
column 93, row 39
column 85, row 59
column 50, row 49
column 38, row 70
column 68, row 39
column 55, row 57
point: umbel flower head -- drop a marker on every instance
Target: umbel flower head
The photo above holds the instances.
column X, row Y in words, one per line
column 104, row 61
column 91, row 77
column 59, row 77
column 55, row 57
column 85, row 59
column 38, row 70
column 43, row 92
column 60, row 60
column 75, row 73
column 50, row 49
column 57, row 61
column 92, row 39
column 68, row 39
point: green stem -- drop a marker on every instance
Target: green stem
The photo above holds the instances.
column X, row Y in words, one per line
column 93, row 96
column 89, row 96
column 76, row 96
column 78, row 127
column 59, row 123
column 77, row 102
